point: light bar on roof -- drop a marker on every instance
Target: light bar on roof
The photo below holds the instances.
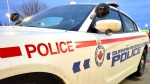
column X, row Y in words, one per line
column 114, row 4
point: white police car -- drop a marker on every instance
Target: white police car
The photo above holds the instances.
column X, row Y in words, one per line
column 72, row 44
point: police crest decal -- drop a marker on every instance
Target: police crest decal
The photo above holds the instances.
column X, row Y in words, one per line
column 99, row 55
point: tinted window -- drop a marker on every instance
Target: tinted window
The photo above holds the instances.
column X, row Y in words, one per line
column 112, row 15
column 135, row 27
column 129, row 25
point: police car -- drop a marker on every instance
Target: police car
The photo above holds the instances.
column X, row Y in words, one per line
column 72, row 44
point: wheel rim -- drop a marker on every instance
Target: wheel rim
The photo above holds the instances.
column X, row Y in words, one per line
column 142, row 62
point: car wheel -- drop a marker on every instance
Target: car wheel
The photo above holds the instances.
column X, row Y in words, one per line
column 33, row 78
column 141, row 65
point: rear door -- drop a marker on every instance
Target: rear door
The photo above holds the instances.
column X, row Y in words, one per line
column 135, row 43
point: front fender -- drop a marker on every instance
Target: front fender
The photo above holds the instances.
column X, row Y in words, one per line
column 13, row 71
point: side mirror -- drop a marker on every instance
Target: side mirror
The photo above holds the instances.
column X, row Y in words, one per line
column 102, row 10
column 14, row 17
column 108, row 26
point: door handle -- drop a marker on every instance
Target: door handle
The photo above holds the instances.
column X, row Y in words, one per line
column 127, row 43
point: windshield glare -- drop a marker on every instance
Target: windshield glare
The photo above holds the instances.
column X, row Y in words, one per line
column 66, row 17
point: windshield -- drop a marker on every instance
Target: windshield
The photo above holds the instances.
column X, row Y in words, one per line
column 66, row 17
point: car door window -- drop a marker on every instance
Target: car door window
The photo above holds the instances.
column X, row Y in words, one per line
column 112, row 15
column 135, row 27
column 129, row 24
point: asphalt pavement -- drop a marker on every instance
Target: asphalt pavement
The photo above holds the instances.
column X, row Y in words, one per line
column 144, row 79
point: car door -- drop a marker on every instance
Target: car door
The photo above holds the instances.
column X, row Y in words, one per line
column 106, row 57
column 135, row 43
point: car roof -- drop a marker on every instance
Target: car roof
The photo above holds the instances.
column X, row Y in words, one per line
column 94, row 4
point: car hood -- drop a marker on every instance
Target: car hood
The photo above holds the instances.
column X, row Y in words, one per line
column 18, row 30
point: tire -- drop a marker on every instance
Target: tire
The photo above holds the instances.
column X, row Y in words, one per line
column 141, row 65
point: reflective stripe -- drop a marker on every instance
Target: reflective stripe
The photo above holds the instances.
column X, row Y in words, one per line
column 10, row 52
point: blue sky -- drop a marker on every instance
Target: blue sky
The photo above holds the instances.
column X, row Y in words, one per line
column 139, row 10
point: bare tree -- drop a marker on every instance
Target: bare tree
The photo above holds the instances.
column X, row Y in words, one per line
column 29, row 7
